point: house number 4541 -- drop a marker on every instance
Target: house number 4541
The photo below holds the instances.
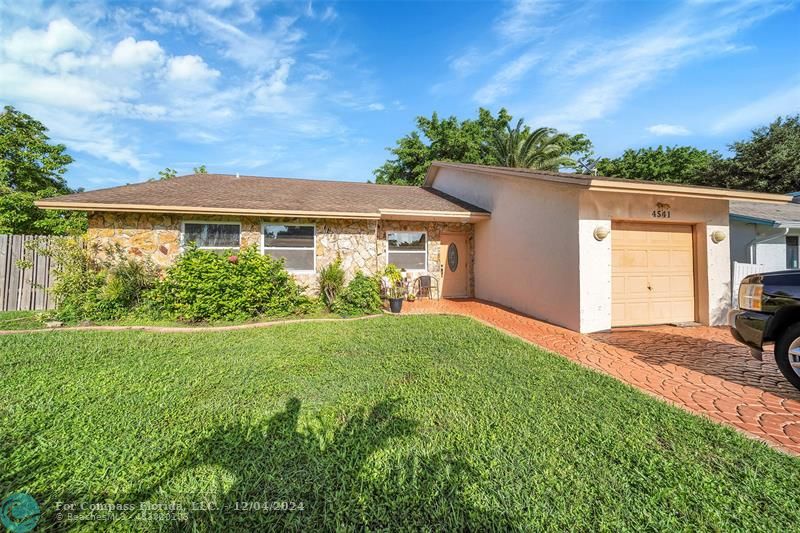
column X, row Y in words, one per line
column 661, row 211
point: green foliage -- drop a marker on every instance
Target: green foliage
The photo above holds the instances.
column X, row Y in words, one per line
column 451, row 139
column 203, row 285
column 393, row 274
column 167, row 173
column 677, row 164
column 19, row 215
column 331, row 282
column 28, row 162
column 31, row 169
column 768, row 162
column 434, row 423
column 361, row 296
column 200, row 170
column 95, row 283
column 541, row 149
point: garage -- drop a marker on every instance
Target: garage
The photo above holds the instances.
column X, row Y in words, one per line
column 590, row 253
column 652, row 274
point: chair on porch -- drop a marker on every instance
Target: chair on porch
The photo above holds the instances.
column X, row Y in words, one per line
column 426, row 286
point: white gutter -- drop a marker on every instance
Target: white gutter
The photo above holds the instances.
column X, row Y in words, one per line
column 752, row 245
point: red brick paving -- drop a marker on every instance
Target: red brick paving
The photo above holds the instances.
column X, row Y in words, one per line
column 701, row 369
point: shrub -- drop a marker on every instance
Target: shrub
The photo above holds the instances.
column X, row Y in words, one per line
column 361, row 296
column 203, row 285
column 331, row 282
column 95, row 282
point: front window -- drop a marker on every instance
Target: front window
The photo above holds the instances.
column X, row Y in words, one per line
column 212, row 235
column 294, row 244
column 408, row 249
column 791, row 251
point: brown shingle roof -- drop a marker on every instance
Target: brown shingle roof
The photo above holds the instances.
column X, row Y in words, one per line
column 224, row 193
column 780, row 215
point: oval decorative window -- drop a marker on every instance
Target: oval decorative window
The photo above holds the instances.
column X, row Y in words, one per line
column 452, row 257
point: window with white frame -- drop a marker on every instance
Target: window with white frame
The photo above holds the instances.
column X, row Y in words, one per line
column 292, row 242
column 212, row 235
column 408, row 249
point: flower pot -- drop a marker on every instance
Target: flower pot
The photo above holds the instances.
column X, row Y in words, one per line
column 395, row 304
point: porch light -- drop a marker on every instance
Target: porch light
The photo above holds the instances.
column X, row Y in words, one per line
column 718, row 236
column 600, row 233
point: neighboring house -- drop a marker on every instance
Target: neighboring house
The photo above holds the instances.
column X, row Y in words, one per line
column 766, row 234
column 584, row 252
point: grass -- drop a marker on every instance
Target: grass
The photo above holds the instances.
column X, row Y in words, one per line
column 16, row 320
column 396, row 422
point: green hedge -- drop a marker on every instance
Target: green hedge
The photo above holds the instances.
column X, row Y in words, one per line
column 203, row 285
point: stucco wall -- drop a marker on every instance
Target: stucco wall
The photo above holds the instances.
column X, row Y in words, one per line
column 713, row 260
column 770, row 251
column 361, row 243
column 526, row 254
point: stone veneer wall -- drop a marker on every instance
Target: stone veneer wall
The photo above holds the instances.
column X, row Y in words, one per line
column 361, row 243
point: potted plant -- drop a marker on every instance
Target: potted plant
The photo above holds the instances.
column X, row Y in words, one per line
column 396, row 295
column 395, row 292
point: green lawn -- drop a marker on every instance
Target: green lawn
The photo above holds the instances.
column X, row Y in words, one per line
column 16, row 320
column 402, row 422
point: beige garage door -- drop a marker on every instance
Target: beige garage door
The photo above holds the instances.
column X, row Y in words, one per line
column 652, row 274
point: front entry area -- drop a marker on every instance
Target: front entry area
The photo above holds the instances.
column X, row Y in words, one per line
column 652, row 274
column 454, row 261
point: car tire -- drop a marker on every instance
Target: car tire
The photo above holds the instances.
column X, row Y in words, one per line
column 791, row 335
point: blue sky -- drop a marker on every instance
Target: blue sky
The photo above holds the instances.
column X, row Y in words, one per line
column 319, row 90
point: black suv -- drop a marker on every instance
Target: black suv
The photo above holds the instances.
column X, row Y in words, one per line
column 769, row 312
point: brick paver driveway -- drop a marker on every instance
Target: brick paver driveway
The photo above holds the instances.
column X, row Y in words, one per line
column 699, row 368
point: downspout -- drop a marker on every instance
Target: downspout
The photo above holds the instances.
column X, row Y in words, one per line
column 752, row 245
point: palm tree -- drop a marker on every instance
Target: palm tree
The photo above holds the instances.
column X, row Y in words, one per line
column 540, row 149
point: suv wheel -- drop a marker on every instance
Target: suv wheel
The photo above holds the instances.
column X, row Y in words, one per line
column 787, row 354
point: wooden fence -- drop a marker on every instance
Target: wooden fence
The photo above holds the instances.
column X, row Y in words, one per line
column 24, row 289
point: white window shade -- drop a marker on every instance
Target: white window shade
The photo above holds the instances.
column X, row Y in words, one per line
column 408, row 249
column 295, row 244
column 211, row 235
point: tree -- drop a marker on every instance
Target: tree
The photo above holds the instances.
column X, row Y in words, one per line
column 541, row 149
column 30, row 169
column 200, row 170
column 676, row 164
column 768, row 162
column 451, row 139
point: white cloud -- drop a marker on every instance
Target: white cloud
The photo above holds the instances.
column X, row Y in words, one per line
column 130, row 53
column 376, row 107
column 668, row 129
column 597, row 83
column 523, row 21
column 504, row 81
column 190, row 68
column 38, row 47
column 785, row 101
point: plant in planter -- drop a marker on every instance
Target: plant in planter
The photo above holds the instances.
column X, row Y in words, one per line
column 396, row 294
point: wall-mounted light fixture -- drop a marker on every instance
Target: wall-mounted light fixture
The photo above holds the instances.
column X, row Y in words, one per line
column 600, row 233
column 718, row 236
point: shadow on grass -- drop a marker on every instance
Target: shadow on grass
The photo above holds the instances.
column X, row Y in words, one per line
column 352, row 476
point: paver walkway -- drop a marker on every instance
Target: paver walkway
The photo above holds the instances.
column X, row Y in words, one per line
column 699, row 368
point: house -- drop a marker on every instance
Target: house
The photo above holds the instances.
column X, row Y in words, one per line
column 766, row 234
column 583, row 252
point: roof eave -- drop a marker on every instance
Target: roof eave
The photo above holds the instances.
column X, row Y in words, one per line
column 387, row 214
column 141, row 208
column 615, row 185
column 754, row 220
column 709, row 193
column 434, row 216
